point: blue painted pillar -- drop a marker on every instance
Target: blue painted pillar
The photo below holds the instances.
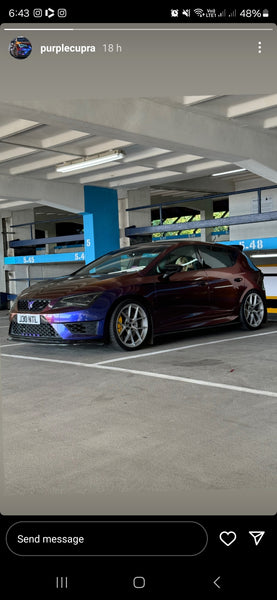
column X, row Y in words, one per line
column 101, row 226
column 89, row 237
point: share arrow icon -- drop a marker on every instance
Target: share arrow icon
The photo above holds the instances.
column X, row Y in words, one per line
column 257, row 536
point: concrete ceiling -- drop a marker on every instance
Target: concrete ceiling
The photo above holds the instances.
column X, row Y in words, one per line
column 174, row 145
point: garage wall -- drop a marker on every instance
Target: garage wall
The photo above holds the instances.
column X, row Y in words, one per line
column 247, row 203
column 19, row 275
column 101, row 232
column 37, row 272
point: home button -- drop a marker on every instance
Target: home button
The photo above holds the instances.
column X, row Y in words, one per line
column 139, row 583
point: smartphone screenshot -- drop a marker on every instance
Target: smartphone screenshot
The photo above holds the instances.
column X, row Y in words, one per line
column 138, row 300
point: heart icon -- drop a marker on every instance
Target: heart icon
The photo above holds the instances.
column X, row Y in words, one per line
column 228, row 537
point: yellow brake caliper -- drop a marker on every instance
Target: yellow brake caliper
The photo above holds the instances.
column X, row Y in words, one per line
column 119, row 324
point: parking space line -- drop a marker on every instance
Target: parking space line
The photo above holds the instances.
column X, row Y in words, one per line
column 135, row 356
column 13, row 345
column 224, row 386
column 50, row 360
column 187, row 347
column 99, row 366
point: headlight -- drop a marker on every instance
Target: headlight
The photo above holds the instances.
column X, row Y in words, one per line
column 13, row 305
column 79, row 301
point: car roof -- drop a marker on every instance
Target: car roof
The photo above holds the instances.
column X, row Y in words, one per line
column 171, row 243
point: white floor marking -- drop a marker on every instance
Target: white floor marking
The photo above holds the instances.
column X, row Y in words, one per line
column 12, row 345
column 149, row 374
column 187, row 347
column 51, row 360
column 223, row 386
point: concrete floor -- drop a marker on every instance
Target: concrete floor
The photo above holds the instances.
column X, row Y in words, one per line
column 192, row 414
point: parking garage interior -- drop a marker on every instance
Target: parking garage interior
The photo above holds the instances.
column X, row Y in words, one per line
column 195, row 411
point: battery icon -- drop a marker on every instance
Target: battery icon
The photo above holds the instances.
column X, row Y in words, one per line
column 265, row 13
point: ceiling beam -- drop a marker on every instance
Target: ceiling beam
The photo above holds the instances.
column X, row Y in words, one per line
column 59, row 195
column 150, row 123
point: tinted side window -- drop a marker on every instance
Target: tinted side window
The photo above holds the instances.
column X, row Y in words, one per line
column 185, row 256
column 217, row 258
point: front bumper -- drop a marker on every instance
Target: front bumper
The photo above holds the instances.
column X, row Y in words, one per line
column 59, row 327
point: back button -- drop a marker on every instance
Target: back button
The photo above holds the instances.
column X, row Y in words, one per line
column 217, row 582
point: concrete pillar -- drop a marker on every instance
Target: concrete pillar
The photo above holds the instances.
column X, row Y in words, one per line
column 123, row 221
column 23, row 233
column 49, row 231
column 2, row 266
column 6, row 272
column 207, row 213
column 138, row 218
column 23, row 216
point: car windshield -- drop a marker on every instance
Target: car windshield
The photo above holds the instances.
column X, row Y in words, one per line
column 126, row 261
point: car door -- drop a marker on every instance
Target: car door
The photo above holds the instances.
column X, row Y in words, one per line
column 225, row 280
column 181, row 298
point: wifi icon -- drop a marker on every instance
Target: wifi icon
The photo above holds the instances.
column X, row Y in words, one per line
column 199, row 12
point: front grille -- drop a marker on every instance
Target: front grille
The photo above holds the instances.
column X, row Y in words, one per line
column 44, row 330
column 32, row 305
column 85, row 328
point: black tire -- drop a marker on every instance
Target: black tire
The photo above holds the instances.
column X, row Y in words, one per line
column 252, row 311
column 130, row 325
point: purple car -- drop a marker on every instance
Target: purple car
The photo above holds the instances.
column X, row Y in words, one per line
column 132, row 295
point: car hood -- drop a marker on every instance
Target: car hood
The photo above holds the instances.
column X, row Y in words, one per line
column 74, row 284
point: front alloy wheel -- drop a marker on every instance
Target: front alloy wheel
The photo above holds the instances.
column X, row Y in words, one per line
column 129, row 325
column 253, row 311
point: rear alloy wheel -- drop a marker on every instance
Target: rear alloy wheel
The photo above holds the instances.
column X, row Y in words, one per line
column 129, row 325
column 252, row 311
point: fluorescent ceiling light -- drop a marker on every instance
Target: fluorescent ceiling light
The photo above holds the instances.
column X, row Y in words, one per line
column 263, row 255
column 228, row 172
column 97, row 159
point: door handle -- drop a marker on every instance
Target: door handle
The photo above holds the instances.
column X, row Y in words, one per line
column 238, row 279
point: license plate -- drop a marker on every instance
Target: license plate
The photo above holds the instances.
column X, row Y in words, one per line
column 28, row 319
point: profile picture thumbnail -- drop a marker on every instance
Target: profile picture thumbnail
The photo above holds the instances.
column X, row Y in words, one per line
column 20, row 47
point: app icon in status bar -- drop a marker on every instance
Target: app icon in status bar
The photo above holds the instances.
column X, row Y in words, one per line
column 37, row 13
column 49, row 12
column 62, row 13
